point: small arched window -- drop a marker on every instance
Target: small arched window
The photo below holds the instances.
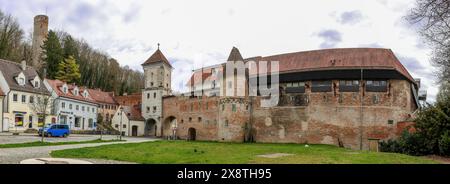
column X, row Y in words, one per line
column 21, row 81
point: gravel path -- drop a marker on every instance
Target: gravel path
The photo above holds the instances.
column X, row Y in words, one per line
column 15, row 155
column 8, row 138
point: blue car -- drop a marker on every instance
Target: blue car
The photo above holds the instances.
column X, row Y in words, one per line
column 55, row 130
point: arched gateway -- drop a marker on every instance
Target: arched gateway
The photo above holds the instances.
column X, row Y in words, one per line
column 150, row 127
column 192, row 134
column 170, row 127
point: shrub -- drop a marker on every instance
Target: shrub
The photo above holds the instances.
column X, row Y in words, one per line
column 413, row 144
column 432, row 132
column 390, row 146
column 444, row 144
column 408, row 143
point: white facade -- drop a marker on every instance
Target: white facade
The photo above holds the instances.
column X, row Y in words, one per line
column 128, row 127
column 18, row 114
column 157, row 84
column 78, row 114
column 1, row 113
column 22, row 87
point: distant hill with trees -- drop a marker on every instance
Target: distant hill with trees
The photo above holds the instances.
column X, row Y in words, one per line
column 70, row 59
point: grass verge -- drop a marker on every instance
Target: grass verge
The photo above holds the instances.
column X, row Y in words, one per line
column 39, row 143
column 173, row 152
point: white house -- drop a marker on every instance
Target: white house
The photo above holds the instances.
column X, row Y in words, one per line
column 129, row 121
column 73, row 105
column 22, row 88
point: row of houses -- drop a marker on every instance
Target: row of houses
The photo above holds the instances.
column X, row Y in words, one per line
column 24, row 97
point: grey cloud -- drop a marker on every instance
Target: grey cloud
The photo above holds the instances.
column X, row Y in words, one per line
column 351, row 17
column 166, row 11
column 131, row 46
column 418, row 71
column 131, row 14
column 331, row 38
column 413, row 65
column 421, row 45
column 371, row 45
column 82, row 13
column 231, row 12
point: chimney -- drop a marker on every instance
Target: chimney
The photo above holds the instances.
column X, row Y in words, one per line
column 23, row 65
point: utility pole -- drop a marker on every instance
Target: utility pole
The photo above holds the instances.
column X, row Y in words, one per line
column 361, row 111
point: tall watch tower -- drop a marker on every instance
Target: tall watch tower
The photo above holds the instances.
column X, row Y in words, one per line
column 158, row 74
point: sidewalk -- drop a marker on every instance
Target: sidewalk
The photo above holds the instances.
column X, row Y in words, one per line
column 15, row 155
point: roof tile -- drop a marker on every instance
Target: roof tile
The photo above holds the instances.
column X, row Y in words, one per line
column 101, row 96
column 156, row 57
column 11, row 69
column 57, row 84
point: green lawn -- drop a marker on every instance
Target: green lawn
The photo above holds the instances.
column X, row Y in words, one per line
column 234, row 153
column 39, row 143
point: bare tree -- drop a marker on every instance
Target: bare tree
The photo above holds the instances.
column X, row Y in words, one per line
column 433, row 19
column 42, row 105
column 11, row 38
column 444, row 92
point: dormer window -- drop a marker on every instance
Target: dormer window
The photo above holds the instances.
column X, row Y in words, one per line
column 36, row 84
column 20, row 78
column 21, row 81
column 75, row 92
column 65, row 89
column 85, row 94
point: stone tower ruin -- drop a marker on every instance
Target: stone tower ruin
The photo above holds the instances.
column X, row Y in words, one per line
column 40, row 33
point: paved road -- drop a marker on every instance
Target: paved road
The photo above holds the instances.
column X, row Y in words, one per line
column 15, row 155
column 8, row 138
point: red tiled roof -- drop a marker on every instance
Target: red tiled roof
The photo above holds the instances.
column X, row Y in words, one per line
column 135, row 113
column 156, row 57
column 56, row 85
column 207, row 75
column 329, row 59
column 1, row 93
column 199, row 77
column 127, row 100
column 101, row 96
column 341, row 58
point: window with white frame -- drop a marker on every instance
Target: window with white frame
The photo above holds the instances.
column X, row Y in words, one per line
column 21, row 81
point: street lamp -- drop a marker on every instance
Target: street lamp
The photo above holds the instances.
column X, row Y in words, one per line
column 120, row 126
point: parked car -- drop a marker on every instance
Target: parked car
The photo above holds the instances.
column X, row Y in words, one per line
column 55, row 130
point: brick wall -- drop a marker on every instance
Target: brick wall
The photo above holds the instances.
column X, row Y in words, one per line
column 327, row 117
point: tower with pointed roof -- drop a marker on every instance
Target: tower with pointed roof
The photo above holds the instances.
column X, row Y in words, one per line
column 158, row 74
column 231, row 84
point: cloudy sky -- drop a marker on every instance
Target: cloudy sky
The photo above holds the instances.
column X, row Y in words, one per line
column 199, row 33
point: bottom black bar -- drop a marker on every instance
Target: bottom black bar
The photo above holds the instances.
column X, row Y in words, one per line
column 228, row 173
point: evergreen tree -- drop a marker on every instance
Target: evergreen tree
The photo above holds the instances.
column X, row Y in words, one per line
column 53, row 54
column 97, row 69
column 70, row 47
column 68, row 71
